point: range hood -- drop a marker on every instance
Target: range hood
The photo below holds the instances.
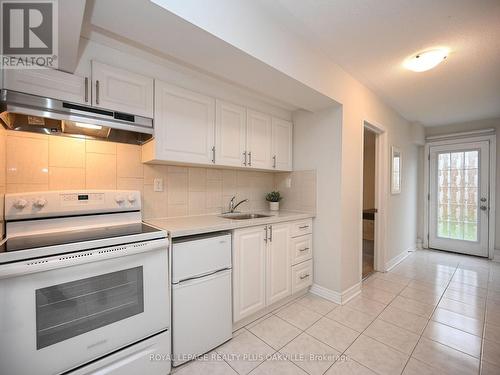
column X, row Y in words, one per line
column 31, row 113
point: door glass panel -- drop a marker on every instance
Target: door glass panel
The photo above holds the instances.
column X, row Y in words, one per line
column 70, row 309
column 458, row 195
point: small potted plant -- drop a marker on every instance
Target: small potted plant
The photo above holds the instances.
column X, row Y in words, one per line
column 274, row 198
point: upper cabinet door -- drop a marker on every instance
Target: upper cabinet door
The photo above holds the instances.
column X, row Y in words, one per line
column 259, row 131
column 230, row 134
column 48, row 83
column 120, row 90
column 184, row 125
column 282, row 145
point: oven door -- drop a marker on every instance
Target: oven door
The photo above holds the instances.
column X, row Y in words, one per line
column 58, row 313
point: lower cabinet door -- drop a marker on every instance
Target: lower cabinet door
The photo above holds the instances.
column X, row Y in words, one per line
column 302, row 276
column 278, row 263
column 249, row 271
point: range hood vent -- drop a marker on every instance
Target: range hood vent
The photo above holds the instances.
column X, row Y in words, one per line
column 31, row 113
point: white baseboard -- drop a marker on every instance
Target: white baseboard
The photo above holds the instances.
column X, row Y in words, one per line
column 339, row 298
column 397, row 259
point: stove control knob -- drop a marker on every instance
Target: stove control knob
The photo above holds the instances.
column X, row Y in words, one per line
column 20, row 203
column 119, row 199
column 131, row 198
column 40, row 202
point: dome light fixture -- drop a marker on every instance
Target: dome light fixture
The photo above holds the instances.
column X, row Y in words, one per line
column 426, row 60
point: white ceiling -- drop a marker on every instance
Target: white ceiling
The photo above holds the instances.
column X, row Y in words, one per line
column 370, row 39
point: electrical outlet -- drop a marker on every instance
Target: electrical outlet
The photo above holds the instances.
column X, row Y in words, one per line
column 158, row 184
column 288, row 182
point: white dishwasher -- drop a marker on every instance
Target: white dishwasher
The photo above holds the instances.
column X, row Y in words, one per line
column 201, row 294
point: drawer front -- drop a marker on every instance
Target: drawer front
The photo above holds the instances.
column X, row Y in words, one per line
column 299, row 228
column 301, row 248
column 302, row 276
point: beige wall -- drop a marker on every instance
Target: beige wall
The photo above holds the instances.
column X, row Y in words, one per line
column 468, row 126
column 317, row 145
column 40, row 162
column 369, row 170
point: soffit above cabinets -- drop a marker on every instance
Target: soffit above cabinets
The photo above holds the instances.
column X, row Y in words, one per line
column 196, row 48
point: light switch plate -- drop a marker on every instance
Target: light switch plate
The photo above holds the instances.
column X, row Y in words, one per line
column 158, row 184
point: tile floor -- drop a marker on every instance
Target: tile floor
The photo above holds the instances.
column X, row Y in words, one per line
column 434, row 313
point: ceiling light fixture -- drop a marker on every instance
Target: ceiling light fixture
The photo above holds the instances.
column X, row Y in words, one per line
column 426, row 60
column 88, row 126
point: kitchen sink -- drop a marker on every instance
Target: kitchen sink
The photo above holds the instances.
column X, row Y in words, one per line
column 238, row 216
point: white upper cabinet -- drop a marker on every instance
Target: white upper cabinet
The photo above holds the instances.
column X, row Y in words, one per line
column 259, row 130
column 282, row 144
column 184, row 126
column 120, row 90
column 230, row 134
column 49, row 83
column 278, row 265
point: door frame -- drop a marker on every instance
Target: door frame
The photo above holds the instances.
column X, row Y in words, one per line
column 452, row 139
column 381, row 194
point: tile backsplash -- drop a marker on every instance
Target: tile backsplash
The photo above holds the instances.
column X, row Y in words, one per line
column 298, row 189
column 36, row 162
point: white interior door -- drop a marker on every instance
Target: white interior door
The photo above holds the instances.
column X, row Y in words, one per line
column 459, row 198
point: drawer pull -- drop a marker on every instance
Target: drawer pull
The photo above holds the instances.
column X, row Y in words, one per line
column 304, row 249
column 304, row 276
column 304, row 227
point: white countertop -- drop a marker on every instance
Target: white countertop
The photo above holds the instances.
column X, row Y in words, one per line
column 190, row 225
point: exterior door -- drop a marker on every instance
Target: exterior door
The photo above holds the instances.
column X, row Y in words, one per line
column 278, row 263
column 230, row 134
column 249, row 271
column 459, row 198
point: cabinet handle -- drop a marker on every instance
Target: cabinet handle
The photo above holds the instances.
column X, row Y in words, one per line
column 86, row 89
column 250, row 158
column 245, row 156
column 274, row 161
column 304, row 227
column 265, row 238
column 304, row 276
column 304, row 249
column 213, row 154
column 270, row 233
column 97, row 92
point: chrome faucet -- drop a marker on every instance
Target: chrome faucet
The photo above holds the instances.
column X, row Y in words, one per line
column 233, row 206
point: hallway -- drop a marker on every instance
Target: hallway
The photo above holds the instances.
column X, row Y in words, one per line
column 435, row 312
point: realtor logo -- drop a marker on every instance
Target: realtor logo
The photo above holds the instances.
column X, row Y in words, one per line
column 29, row 31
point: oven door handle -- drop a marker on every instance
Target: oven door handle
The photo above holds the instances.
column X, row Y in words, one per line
column 26, row 267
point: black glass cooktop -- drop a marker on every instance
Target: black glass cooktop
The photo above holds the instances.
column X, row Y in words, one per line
column 73, row 236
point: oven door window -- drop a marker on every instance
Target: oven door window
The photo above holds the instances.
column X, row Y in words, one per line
column 71, row 309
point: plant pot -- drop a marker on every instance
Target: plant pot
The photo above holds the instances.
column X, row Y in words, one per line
column 274, row 206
